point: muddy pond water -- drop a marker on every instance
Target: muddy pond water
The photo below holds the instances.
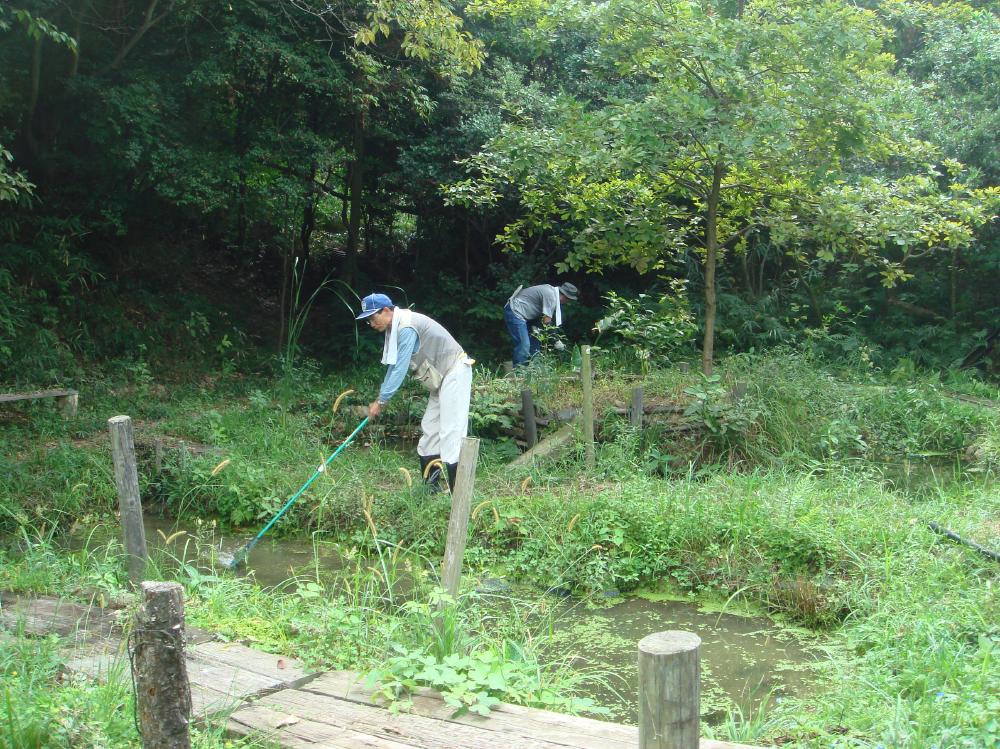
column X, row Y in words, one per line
column 745, row 660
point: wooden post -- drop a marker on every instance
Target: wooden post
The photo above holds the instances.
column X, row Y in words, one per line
column 528, row 411
column 737, row 392
column 69, row 404
column 588, row 405
column 162, row 690
column 129, row 505
column 158, row 454
column 669, row 691
column 458, row 523
column 635, row 415
column 684, row 367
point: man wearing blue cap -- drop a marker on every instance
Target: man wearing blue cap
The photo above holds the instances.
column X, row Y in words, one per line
column 416, row 342
column 530, row 308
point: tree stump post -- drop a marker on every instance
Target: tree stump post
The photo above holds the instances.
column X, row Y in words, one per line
column 458, row 522
column 635, row 415
column 588, row 406
column 528, row 412
column 69, row 404
column 669, row 691
column 684, row 367
column 163, row 692
column 129, row 504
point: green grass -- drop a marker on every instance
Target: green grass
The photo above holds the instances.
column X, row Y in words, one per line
column 808, row 499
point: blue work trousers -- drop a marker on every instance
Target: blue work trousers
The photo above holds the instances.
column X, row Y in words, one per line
column 525, row 345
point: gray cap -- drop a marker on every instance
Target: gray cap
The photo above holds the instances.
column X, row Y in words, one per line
column 568, row 290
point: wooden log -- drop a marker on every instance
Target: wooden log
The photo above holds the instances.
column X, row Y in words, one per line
column 546, row 447
column 162, row 690
column 528, row 412
column 588, row 406
column 458, row 523
column 129, row 505
column 656, row 408
column 635, row 414
column 669, row 690
column 69, row 404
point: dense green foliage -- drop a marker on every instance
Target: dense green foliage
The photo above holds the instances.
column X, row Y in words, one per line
column 799, row 165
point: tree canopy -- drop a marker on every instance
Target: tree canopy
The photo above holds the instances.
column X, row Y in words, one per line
column 795, row 163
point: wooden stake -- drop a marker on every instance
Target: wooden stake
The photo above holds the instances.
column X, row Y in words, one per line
column 162, row 689
column 635, row 415
column 69, row 404
column 669, row 691
column 129, row 505
column 684, row 367
column 588, row 406
column 458, row 523
column 528, row 411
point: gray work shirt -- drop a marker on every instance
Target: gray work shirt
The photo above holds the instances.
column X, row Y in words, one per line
column 535, row 302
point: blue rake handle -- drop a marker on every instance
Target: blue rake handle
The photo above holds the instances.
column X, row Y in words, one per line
column 241, row 555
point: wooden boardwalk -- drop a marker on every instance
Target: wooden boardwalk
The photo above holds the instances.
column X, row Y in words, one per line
column 276, row 698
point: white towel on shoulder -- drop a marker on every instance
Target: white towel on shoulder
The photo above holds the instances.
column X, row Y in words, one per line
column 558, row 309
column 390, row 349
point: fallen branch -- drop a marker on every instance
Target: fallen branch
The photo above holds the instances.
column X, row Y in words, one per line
column 995, row 556
column 668, row 408
column 546, row 447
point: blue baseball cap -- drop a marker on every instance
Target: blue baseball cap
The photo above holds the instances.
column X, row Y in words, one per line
column 372, row 304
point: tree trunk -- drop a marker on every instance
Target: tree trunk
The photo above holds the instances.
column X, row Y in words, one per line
column 355, row 189
column 467, row 271
column 286, row 266
column 711, row 257
column 308, row 216
column 36, row 77
column 955, row 255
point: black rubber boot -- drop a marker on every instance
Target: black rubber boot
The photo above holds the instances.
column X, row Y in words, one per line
column 433, row 477
column 452, row 474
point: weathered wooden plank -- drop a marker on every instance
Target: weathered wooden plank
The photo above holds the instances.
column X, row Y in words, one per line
column 505, row 719
column 13, row 397
column 101, row 659
column 206, row 701
column 281, row 670
column 49, row 615
column 298, row 733
column 412, row 729
column 510, row 721
column 45, row 615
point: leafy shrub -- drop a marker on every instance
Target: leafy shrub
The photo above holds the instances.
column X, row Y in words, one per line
column 653, row 327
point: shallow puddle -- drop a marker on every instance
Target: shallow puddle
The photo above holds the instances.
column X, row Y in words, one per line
column 745, row 661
